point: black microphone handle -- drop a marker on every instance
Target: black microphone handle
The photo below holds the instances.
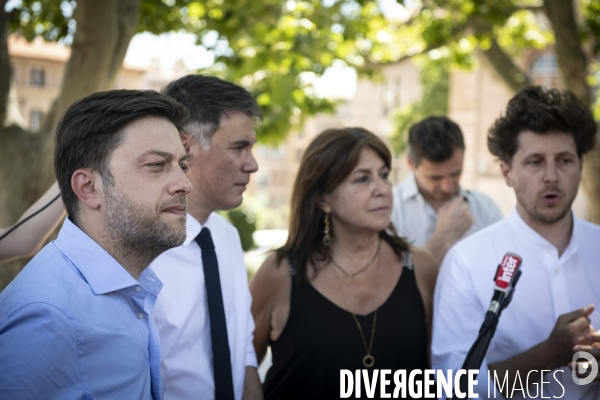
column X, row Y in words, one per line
column 479, row 349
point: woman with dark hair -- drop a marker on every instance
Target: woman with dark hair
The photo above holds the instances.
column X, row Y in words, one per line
column 344, row 292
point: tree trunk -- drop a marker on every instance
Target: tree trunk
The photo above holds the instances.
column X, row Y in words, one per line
column 591, row 183
column 573, row 63
column 104, row 30
column 5, row 71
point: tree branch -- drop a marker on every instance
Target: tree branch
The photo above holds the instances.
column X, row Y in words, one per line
column 533, row 9
column 504, row 67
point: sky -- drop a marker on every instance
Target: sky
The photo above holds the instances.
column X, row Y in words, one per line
column 338, row 81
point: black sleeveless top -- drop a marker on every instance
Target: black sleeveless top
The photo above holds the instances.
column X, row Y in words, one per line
column 320, row 339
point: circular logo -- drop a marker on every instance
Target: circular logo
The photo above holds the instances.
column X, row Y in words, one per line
column 583, row 367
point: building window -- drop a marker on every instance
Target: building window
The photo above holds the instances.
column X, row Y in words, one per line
column 38, row 77
column 544, row 71
column 35, row 120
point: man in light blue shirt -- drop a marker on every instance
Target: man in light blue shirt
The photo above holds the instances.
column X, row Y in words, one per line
column 77, row 322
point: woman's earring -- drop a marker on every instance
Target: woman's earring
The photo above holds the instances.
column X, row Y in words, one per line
column 327, row 238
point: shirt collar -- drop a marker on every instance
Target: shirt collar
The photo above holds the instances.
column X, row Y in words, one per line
column 521, row 226
column 102, row 272
column 150, row 281
column 193, row 228
column 409, row 187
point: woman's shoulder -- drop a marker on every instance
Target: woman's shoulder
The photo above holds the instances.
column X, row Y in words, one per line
column 273, row 274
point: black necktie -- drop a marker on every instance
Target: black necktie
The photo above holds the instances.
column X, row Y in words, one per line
column 216, row 312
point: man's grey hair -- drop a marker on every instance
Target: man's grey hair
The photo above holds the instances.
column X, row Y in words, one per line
column 202, row 132
column 209, row 98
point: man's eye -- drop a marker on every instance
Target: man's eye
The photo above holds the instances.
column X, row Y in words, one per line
column 157, row 164
column 385, row 175
column 185, row 168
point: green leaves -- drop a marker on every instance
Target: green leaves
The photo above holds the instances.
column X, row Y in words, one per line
column 275, row 43
column 590, row 10
column 49, row 19
column 272, row 46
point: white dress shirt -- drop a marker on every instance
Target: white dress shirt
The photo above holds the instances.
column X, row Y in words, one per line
column 182, row 318
column 549, row 286
column 415, row 219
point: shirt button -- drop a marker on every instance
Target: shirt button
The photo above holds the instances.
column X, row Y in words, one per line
column 137, row 288
column 141, row 315
column 556, row 271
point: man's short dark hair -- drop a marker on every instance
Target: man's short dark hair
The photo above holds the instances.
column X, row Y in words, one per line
column 91, row 128
column 541, row 111
column 434, row 139
column 208, row 98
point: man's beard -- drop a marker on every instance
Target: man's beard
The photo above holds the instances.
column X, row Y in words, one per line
column 137, row 235
column 548, row 217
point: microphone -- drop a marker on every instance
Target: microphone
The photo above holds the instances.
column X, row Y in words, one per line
column 507, row 276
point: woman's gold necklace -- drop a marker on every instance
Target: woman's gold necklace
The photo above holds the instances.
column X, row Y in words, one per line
column 348, row 277
column 368, row 360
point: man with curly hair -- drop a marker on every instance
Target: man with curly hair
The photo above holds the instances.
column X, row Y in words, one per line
column 540, row 141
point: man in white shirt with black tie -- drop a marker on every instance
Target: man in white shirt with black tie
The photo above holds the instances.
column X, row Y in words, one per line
column 203, row 313
column 541, row 141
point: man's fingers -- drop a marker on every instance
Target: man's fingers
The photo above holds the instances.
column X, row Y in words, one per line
column 582, row 324
column 573, row 315
column 577, row 330
column 593, row 338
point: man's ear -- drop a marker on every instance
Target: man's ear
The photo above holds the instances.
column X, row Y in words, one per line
column 411, row 164
column 87, row 186
column 505, row 169
column 186, row 140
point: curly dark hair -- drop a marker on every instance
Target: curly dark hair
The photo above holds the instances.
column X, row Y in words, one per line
column 542, row 110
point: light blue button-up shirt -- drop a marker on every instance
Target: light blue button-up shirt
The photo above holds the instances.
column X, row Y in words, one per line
column 74, row 324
